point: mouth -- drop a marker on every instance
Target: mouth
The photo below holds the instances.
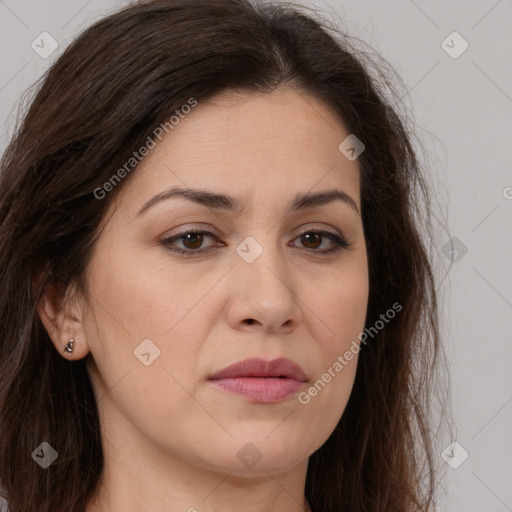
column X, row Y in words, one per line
column 261, row 381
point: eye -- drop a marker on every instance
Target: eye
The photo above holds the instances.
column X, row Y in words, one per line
column 312, row 240
column 192, row 242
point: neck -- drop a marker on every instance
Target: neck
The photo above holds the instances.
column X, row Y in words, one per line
column 133, row 491
column 137, row 479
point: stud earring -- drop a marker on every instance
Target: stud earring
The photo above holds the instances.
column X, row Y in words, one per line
column 69, row 346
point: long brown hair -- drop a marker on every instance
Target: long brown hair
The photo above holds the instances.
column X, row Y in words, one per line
column 98, row 103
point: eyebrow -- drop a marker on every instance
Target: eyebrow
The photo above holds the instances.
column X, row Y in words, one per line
column 212, row 200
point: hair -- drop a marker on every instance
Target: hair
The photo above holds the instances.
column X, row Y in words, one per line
column 100, row 100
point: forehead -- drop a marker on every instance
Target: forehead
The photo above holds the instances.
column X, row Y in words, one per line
column 250, row 146
column 276, row 125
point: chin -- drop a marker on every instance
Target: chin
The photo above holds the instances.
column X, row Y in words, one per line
column 258, row 455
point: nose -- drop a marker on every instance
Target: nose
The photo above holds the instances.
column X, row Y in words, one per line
column 264, row 295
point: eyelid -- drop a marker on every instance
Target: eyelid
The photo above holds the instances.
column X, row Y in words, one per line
column 207, row 228
column 314, row 229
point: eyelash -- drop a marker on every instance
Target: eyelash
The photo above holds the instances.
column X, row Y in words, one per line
column 340, row 242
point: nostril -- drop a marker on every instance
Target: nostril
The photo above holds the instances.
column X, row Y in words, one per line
column 250, row 321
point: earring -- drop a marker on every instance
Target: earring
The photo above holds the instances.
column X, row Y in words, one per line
column 69, row 346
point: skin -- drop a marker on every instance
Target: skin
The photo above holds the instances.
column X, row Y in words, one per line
column 171, row 438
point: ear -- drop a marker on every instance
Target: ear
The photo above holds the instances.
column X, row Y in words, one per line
column 61, row 312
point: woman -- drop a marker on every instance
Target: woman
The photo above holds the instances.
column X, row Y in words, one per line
column 214, row 290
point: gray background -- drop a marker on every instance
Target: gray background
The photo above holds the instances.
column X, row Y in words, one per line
column 463, row 116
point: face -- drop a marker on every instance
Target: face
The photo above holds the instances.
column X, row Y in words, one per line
column 268, row 274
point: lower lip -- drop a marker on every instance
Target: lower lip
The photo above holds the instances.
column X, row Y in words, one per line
column 263, row 390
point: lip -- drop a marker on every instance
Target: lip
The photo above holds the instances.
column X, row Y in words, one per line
column 261, row 381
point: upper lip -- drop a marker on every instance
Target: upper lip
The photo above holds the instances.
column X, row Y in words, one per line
column 257, row 367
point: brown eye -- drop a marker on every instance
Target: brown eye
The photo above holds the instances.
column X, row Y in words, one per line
column 191, row 242
column 313, row 240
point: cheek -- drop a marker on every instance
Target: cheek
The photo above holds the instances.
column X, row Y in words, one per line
column 136, row 300
column 342, row 312
column 139, row 311
column 144, row 297
column 340, row 307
